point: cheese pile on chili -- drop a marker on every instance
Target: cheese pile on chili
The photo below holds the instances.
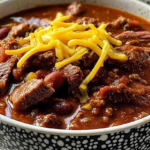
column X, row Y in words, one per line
column 70, row 41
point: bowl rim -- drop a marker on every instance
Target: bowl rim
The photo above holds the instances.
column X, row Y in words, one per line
column 124, row 127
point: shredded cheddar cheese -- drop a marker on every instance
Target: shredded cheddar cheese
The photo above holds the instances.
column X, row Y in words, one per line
column 70, row 41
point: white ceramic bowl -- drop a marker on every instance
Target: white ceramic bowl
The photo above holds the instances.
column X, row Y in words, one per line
column 15, row 135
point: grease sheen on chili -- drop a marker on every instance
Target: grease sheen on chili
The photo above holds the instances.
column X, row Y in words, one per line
column 118, row 94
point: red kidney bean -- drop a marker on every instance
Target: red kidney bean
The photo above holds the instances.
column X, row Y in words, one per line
column 3, row 56
column 62, row 108
column 4, row 32
column 56, row 78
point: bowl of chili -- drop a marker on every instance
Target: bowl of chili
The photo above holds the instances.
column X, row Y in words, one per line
column 74, row 76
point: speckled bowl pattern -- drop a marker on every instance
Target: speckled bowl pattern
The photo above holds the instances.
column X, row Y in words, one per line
column 15, row 135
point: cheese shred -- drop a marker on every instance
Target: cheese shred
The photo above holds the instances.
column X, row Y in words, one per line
column 71, row 42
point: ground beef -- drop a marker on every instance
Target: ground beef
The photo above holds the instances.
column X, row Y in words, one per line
column 30, row 93
column 75, row 9
column 9, row 44
column 5, row 71
column 136, row 77
column 108, row 112
column 74, row 77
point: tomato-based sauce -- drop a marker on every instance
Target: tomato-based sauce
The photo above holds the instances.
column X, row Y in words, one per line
column 116, row 77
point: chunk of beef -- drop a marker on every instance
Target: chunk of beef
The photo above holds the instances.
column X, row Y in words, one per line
column 74, row 77
column 117, row 24
column 123, row 23
column 142, row 36
column 41, row 60
column 49, row 120
column 122, row 93
column 7, row 44
column 5, row 71
column 21, row 29
column 89, row 58
column 30, row 93
column 88, row 20
column 132, row 42
column 75, row 9
column 138, row 58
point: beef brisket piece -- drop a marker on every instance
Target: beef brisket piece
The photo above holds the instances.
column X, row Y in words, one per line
column 75, row 9
column 74, row 77
column 137, row 58
column 118, row 23
column 124, row 24
column 49, row 120
column 39, row 61
column 30, row 93
column 142, row 36
column 122, row 93
column 21, row 29
column 5, row 71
